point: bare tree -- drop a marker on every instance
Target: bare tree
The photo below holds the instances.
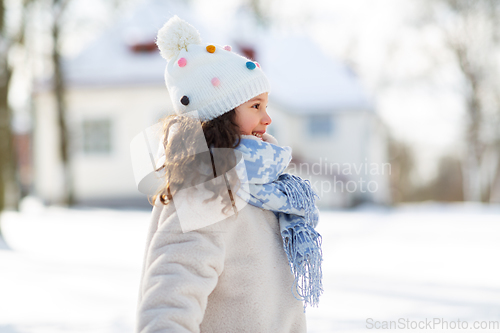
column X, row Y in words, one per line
column 9, row 37
column 260, row 10
column 6, row 141
column 470, row 30
column 402, row 159
column 57, row 9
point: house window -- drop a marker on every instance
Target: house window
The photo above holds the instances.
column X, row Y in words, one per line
column 97, row 136
column 320, row 125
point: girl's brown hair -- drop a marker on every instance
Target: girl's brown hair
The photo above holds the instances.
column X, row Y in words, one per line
column 183, row 164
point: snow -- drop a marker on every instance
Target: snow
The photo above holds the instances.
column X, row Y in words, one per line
column 70, row 270
column 77, row 270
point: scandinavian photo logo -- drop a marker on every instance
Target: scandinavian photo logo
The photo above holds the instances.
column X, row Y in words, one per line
column 351, row 177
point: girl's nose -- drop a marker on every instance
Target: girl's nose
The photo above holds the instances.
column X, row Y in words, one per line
column 266, row 120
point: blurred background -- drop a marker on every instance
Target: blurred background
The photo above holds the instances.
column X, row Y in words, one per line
column 391, row 107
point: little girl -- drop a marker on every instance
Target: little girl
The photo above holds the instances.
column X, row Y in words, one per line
column 231, row 246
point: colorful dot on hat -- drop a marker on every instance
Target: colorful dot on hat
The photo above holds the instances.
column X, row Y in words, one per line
column 185, row 100
column 227, row 47
column 257, row 64
column 215, row 82
column 250, row 65
column 182, row 62
column 211, row 48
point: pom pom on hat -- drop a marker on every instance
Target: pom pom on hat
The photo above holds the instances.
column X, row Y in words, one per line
column 176, row 35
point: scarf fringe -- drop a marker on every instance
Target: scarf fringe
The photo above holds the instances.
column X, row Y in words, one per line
column 302, row 245
column 300, row 194
column 301, row 242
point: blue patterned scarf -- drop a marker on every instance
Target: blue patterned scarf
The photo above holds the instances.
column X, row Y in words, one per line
column 292, row 200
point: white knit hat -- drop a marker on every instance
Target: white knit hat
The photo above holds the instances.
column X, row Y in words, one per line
column 208, row 78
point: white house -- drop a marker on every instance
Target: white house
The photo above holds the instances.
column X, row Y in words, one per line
column 116, row 90
column 321, row 110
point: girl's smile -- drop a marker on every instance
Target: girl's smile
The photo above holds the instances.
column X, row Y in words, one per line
column 252, row 117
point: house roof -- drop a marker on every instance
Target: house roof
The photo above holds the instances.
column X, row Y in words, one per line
column 303, row 79
column 110, row 59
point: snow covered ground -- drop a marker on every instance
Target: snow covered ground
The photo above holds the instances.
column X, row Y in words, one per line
column 77, row 270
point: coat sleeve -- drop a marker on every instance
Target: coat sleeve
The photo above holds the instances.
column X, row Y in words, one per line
column 180, row 270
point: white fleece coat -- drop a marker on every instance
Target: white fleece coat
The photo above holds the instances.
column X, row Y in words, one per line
column 229, row 277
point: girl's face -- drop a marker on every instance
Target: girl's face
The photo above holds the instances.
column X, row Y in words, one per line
column 252, row 117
